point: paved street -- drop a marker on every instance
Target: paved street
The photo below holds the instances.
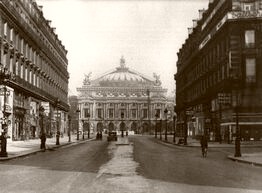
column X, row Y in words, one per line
column 185, row 165
column 135, row 164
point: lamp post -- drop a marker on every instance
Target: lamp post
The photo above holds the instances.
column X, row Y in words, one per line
column 122, row 129
column 4, row 76
column 185, row 130
column 88, row 129
column 57, row 123
column 43, row 135
column 69, row 128
column 83, row 134
column 77, row 129
column 174, row 127
column 156, row 115
column 166, row 111
column 148, row 106
column 237, row 140
column 160, row 129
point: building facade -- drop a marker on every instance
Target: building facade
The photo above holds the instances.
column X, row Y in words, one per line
column 219, row 79
column 73, row 114
column 121, row 100
column 36, row 59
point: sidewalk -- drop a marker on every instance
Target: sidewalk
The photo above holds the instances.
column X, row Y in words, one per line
column 250, row 158
column 23, row 148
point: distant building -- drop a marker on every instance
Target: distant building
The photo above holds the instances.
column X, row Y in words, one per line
column 219, row 76
column 121, row 100
column 33, row 54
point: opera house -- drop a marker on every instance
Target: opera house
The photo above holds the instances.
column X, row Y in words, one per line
column 121, row 100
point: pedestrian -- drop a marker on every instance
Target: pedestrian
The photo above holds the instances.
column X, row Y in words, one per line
column 204, row 145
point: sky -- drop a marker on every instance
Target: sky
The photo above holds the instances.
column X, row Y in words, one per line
column 96, row 33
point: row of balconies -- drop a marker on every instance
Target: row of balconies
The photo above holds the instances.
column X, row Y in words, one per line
column 36, row 16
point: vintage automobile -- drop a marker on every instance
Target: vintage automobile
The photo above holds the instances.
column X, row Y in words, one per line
column 112, row 136
column 99, row 135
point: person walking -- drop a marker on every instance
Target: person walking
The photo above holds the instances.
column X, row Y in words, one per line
column 204, row 145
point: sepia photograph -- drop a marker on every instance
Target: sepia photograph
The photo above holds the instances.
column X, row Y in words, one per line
column 130, row 96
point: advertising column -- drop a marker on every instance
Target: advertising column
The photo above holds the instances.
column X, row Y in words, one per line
column 6, row 113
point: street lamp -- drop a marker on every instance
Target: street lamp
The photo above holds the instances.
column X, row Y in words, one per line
column 160, row 129
column 43, row 135
column 77, row 130
column 156, row 115
column 57, row 122
column 174, row 127
column 88, row 129
column 185, row 129
column 4, row 76
column 83, row 122
column 166, row 111
column 69, row 128
column 122, row 129
column 237, row 140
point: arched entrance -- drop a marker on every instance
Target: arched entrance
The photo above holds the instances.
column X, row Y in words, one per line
column 134, row 127
column 86, row 127
column 122, row 126
column 145, row 127
column 111, row 126
column 99, row 127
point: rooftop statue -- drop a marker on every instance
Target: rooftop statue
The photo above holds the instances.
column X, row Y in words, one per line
column 87, row 79
column 122, row 62
column 157, row 79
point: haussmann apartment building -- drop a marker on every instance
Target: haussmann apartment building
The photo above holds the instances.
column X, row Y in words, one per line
column 35, row 58
column 219, row 73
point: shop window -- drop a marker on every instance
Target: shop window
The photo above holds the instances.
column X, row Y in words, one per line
column 248, row 6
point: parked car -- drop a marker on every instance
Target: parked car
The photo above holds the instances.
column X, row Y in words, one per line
column 99, row 136
column 112, row 136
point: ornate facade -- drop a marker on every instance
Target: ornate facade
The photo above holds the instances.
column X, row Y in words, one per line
column 31, row 51
column 219, row 82
column 121, row 100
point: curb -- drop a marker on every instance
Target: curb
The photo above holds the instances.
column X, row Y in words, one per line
column 229, row 157
column 244, row 161
column 210, row 145
column 27, row 153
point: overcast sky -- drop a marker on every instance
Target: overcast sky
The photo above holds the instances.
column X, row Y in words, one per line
column 97, row 33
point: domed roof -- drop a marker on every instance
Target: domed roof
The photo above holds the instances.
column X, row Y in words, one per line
column 123, row 76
